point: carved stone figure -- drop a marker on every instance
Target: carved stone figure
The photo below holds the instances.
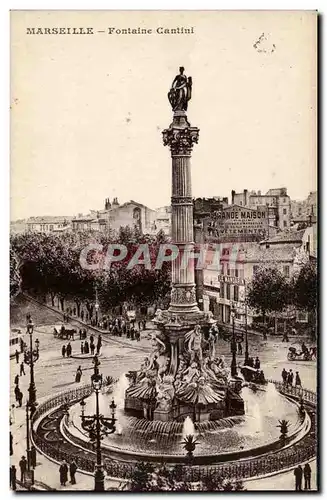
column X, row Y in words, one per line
column 180, row 92
column 193, row 339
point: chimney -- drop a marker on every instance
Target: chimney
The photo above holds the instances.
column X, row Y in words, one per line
column 233, row 197
column 245, row 197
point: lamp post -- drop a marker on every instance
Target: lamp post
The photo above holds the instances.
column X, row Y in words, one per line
column 233, row 345
column 30, row 358
column 29, row 480
column 97, row 426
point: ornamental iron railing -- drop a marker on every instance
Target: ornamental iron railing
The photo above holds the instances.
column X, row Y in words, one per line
column 299, row 452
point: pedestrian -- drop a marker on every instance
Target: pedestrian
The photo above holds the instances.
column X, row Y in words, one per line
column 285, row 336
column 80, row 334
column 139, row 324
column 72, row 471
column 297, row 379
column 21, row 344
column 22, row 369
column 99, row 344
column 144, row 324
column 22, row 466
column 11, row 449
column 284, row 376
column 16, row 379
column 257, row 363
column 17, row 391
column 298, row 473
column 84, row 333
column 20, row 398
column 69, row 350
column 82, row 315
column 78, row 374
column 33, row 456
column 307, row 476
column 86, row 347
column 63, row 472
column 239, row 348
column 132, row 333
column 13, row 474
column 92, row 347
column 290, row 377
column 138, row 335
column 82, row 347
column 63, row 351
column 91, row 339
column 17, row 356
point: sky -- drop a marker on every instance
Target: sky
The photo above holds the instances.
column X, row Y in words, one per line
column 87, row 111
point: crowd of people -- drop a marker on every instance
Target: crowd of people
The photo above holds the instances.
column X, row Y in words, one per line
column 299, row 473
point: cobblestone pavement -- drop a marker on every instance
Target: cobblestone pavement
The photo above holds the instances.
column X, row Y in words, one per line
column 53, row 373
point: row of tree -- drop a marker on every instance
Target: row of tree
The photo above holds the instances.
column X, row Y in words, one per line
column 271, row 292
column 49, row 264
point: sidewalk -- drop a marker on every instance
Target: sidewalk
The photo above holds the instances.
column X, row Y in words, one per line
column 46, row 474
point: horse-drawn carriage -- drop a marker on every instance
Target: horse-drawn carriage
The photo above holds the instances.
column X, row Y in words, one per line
column 62, row 332
column 304, row 355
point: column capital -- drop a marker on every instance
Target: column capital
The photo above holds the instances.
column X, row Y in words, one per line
column 180, row 140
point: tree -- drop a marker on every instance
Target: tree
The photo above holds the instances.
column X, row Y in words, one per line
column 305, row 287
column 15, row 277
column 304, row 292
column 268, row 291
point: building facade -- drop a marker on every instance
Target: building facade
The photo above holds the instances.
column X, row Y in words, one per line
column 48, row 224
column 276, row 201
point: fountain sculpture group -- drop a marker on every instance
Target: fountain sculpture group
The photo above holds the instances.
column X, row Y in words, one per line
column 183, row 377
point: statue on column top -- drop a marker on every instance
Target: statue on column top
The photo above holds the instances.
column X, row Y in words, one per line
column 180, row 92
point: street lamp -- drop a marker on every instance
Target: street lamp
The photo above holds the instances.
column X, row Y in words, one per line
column 30, row 472
column 97, row 426
column 233, row 345
column 30, row 358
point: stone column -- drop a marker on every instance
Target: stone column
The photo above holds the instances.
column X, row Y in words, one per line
column 180, row 137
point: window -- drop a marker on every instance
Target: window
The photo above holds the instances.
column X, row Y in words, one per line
column 236, row 293
column 285, row 223
column 228, row 292
column 222, row 290
column 228, row 270
column 236, row 273
column 284, row 211
column 286, row 271
column 241, row 273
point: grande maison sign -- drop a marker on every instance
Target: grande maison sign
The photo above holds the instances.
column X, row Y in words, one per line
column 238, row 221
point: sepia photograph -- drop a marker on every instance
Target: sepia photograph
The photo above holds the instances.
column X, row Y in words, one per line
column 163, row 251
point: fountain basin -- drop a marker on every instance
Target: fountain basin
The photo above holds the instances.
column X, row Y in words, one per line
column 227, row 439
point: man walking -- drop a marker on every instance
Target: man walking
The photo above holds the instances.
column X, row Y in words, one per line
column 72, row 471
column 63, row 473
column 63, row 351
column 22, row 466
column 298, row 473
column 17, row 356
column 307, row 476
column 13, row 473
column 16, row 379
column 284, row 376
column 69, row 350
column 22, row 369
